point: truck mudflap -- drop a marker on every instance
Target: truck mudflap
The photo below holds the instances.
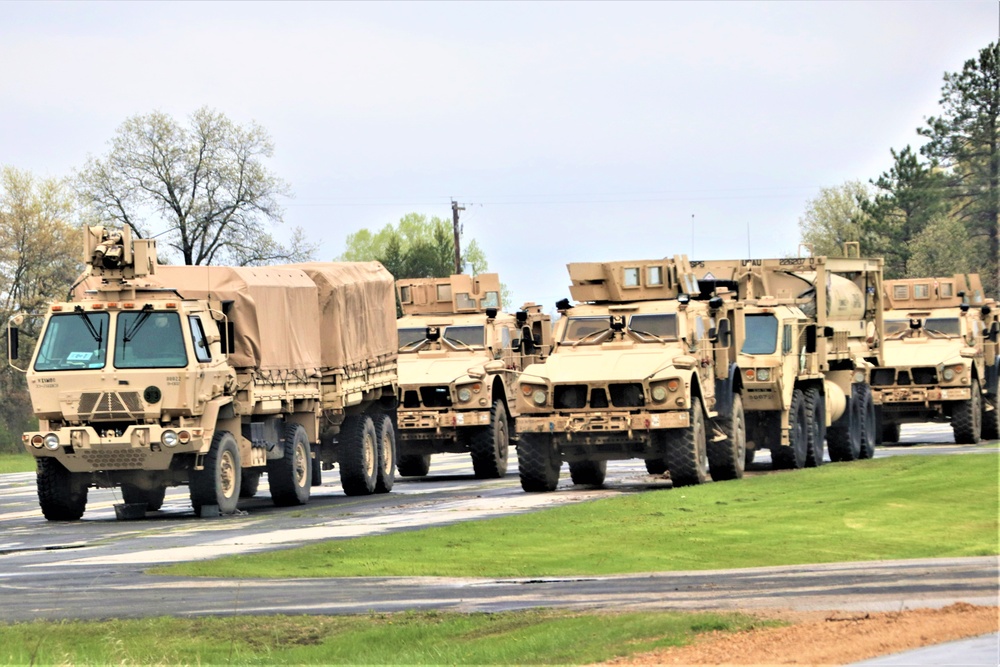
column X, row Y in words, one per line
column 923, row 395
column 607, row 422
column 440, row 422
column 83, row 449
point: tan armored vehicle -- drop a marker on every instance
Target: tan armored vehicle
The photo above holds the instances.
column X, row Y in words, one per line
column 458, row 363
column 154, row 376
column 940, row 358
column 804, row 353
column 639, row 370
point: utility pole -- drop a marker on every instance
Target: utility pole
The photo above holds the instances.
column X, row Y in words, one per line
column 455, row 208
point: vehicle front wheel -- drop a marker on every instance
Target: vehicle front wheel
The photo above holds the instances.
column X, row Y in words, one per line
column 727, row 458
column 687, row 455
column 490, row 445
column 966, row 418
column 62, row 495
column 218, row 483
column 152, row 498
column 538, row 463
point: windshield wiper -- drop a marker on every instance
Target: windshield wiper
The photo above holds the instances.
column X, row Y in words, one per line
column 592, row 334
column 414, row 344
column 98, row 334
column 147, row 310
column 452, row 341
column 640, row 333
column 936, row 333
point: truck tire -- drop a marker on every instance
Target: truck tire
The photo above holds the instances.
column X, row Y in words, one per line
column 816, row 415
column 250, row 483
column 538, row 463
column 687, row 455
column 588, row 473
column 385, row 434
column 843, row 439
column 867, row 424
column 727, row 458
column 991, row 418
column 794, row 455
column 358, row 455
column 62, row 495
column 290, row 477
column 656, row 466
column 890, row 433
column 414, row 465
column 220, row 481
column 966, row 418
column 153, row 498
column 748, row 461
column 490, row 445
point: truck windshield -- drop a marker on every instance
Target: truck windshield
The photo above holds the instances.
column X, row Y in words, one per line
column 586, row 329
column 465, row 337
column 149, row 339
column 761, row 334
column 408, row 338
column 654, row 327
column 895, row 326
column 74, row 341
column 948, row 326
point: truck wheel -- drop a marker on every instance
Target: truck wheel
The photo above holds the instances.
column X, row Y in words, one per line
column 656, row 466
column 966, row 418
column 727, row 458
column 843, row 440
column 867, row 424
column 687, row 457
column 793, row 456
column 991, row 418
column 62, row 495
column 588, row 473
column 153, row 498
column 385, row 434
column 219, row 482
column 358, row 455
column 890, row 433
column 250, row 483
column 538, row 463
column 748, row 461
column 816, row 420
column 290, row 477
column 490, row 445
column 414, row 465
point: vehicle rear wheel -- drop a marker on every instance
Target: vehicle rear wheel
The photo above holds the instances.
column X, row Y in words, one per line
column 816, row 417
column 290, row 477
column 991, row 418
column 250, row 483
column 152, row 498
column 491, row 444
column 793, row 456
column 588, row 473
column 966, row 418
column 538, row 463
column 62, row 495
column 219, row 482
column 843, row 439
column 727, row 458
column 890, row 433
column 358, row 455
column 385, row 433
column 414, row 465
column 867, row 424
column 687, row 455
column 656, row 466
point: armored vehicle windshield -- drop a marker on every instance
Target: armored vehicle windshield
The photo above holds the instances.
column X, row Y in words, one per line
column 645, row 328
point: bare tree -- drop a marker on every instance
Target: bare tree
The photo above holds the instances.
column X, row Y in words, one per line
column 204, row 188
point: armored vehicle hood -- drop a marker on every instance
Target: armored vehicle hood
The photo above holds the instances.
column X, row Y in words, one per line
column 414, row 370
column 608, row 363
column 922, row 351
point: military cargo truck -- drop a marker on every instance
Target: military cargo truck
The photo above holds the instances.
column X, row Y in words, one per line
column 807, row 332
column 640, row 370
column 152, row 376
column 458, row 364
column 940, row 358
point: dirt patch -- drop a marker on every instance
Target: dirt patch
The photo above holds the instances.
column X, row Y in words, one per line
column 829, row 638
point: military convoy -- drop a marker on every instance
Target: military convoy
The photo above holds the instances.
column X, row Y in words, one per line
column 459, row 358
column 941, row 358
column 152, row 376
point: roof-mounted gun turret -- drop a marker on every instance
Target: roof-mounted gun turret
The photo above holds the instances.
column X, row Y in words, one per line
column 633, row 280
column 455, row 294
column 114, row 256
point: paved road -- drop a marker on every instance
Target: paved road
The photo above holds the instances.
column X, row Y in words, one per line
column 93, row 568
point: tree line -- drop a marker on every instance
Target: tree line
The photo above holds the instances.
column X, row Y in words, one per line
column 936, row 211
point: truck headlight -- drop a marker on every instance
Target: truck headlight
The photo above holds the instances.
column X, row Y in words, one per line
column 539, row 397
column 948, row 374
column 659, row 393
column 763, row 374
column 464, row 394
column 52, row 441
column 169, row 439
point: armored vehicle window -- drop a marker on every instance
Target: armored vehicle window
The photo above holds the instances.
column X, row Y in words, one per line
column 901, row 292
column 444, row 292
column 491, row 300
column 578, row 328
column 649, row 328
column 895, row 326
column 786, row 339
column 404, row 295
column 198, row 339
column 464, row 301
column 949, row 326
column 632, row 277
column 761, row 334
column 654, row 276
column 149, row 340
column 947, row 290
column 408, row 337
column 465, row 337
column 73, row 342
column 921, row 291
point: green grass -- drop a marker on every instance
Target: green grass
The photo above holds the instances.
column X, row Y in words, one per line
column 899, row 507
column 526, row 637
column 16, row 462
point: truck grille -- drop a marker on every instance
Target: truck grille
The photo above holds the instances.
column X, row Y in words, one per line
column 570, row 396
column 108, row 406
column 435, row 397
column 627, row 395
column 122, row 459
column 921, row 375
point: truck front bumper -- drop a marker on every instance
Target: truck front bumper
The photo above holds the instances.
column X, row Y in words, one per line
column 597, row 423
column 427, row 425
column 83, row 449
column 924, row 396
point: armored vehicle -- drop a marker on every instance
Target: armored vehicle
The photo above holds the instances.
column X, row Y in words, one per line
column 152, row 376
column 640, row 370
column 940, row 358
column 458, row 363
column 807, row 331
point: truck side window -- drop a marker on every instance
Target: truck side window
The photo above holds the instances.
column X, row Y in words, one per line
column 201, row 351
column 786, row 339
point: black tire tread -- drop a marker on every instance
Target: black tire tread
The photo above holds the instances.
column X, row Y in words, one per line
column 203, row 484
column 685, row 447
column 61, row 495
column 588, row 473
column 385, row 475
column 353, row 473
column 966, row 418
column 281, row 478
column 537, row 463
column 727, row 458
column 490, row 445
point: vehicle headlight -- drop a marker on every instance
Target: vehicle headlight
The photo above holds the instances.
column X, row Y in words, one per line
column 464, row 394
column 859, row 376
column 948, row 375
column 763, row 374
column 52, row 441
column 538, row 396
column 169, row 439
column 659, row 393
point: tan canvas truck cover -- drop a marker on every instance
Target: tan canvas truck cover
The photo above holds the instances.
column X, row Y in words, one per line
column 357, row 313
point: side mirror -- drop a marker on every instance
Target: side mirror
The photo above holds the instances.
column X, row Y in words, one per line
column 515, row 343
column 713, row 334
column 725, row 333
column 994, row 332
column 12, row 343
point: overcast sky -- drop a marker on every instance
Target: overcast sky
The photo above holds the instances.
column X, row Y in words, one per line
column 569, row 131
